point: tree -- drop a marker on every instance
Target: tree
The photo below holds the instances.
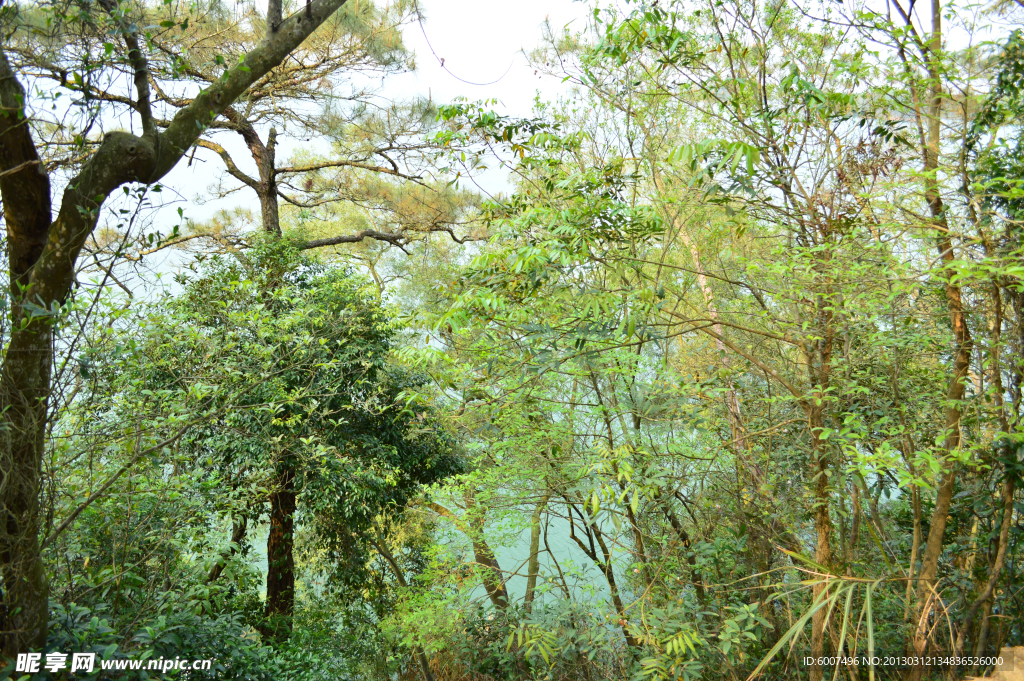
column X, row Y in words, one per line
column 309, row 407
column 44, row 249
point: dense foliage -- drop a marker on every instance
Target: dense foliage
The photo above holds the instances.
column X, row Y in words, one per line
column 728, row 383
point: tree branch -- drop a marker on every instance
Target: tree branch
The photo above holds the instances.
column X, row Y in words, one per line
column 139, row 64
column 312, row 167
column 445, row 513
column 393, row 239
column 106, row 485
column 124, row 158
column 233, row 169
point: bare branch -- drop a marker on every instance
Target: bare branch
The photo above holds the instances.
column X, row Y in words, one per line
column 229, row 162
column 139, row 65
column 393, row 239
column 110, row 481
column 312, row 167
column 18, row 168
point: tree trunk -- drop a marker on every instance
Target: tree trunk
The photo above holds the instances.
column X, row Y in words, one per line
column 533, row 567
column 280, row 557
column 24, row 389
column 732, row 399
column 25, row 381
column 382, row 548
column 962, row 337
column 997, row 569
column 982, row 646
column 604, row 562
column 472, row 525
column 823, row 534
column 820, row 378
column 609, row 575
column 23, row 613
column 264, row 155
column 269, row 211
column 490, row 570
column 691, row 558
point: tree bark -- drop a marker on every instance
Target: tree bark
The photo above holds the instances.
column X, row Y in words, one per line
column 820, row 378
column 993, row 579
column 608, row 568
column 280, row 557
column 264, row 155
column 823, row 534
column 490, row 572
column 487, row 565
column 691, row 558
column 274, row 14
column 604, row 563
column 732, row 399
column 24, row 384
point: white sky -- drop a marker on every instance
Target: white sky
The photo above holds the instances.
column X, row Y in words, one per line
column 480, row 42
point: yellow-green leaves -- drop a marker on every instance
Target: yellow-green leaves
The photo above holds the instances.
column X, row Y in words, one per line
column 721, row 156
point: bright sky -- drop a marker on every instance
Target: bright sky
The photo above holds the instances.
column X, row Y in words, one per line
column 480, row 42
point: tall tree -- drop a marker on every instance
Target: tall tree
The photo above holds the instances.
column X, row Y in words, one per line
column 44, row 248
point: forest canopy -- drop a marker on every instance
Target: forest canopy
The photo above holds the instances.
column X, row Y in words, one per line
column 724, row 383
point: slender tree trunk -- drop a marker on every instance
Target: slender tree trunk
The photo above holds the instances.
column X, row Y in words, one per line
column 486, row 564
column 533, row 567
column 850, row 546
column 691, row 559
column 820, row 378
column 732, row 398
column 984, row 600
column 926, row 582
column 993, row 579
column 604, row 562
column 823, row 534
column 915, row 546
column 490, row 571
column 982, row 645
column 608, row 568
column 382, row 548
